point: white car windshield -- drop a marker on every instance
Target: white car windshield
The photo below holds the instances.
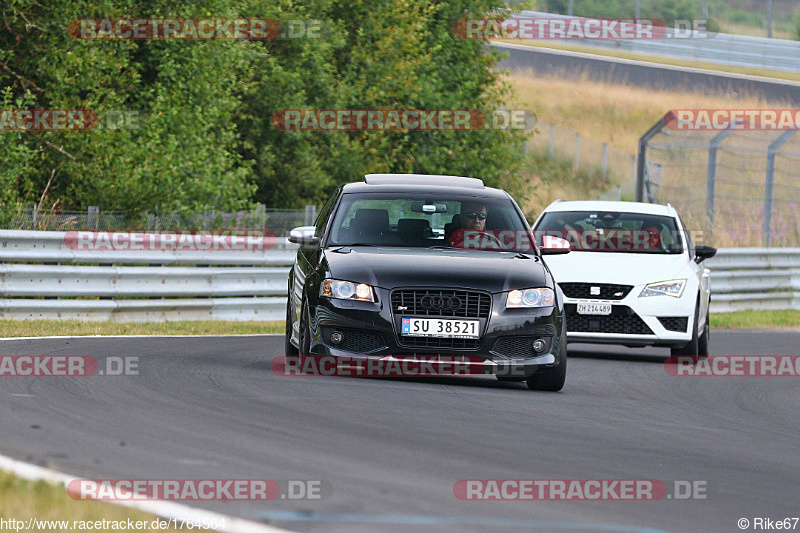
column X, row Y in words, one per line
column 607, row 231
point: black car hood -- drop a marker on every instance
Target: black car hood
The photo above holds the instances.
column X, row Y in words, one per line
column 422, row 267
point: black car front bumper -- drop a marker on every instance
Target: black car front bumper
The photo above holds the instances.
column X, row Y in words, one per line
column 370, row 331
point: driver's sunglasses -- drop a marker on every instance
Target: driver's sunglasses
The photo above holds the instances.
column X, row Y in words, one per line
column 476, row 216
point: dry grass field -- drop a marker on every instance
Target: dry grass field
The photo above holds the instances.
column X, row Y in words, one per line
column 619, row 115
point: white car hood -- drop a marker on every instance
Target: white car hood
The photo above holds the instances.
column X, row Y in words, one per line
column 619, row 268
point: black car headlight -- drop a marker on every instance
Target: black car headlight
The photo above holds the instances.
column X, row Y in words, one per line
column 347, row 290
column 538, row 297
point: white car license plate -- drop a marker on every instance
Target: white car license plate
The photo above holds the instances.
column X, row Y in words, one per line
column 449, row 328
column 594, row 309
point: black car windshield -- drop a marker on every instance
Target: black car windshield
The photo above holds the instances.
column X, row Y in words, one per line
column 611, row 231
column 429, row 220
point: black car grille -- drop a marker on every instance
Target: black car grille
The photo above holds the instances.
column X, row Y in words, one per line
column 518, row 346
column 608, row 291
column 621, row 320
column 473, row 304
column 435, row 342
column 674, row 323
column 355, row 340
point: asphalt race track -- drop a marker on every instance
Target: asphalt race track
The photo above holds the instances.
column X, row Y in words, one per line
column 391, row 449
column 548, row 62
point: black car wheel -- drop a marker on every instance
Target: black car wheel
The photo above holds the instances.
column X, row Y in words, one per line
column 305, row 332
column 289, row 347
column 692, row 348
column 550, row 379
column 702, row 343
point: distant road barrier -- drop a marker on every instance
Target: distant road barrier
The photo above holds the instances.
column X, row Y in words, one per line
column 43, row 278
column 722, row 48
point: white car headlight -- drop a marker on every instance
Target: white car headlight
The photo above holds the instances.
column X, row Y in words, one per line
column 542, row 297
column 347, row 290
column 672, row 288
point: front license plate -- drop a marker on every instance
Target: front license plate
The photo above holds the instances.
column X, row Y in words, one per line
column 594, row 309
column 448, row 328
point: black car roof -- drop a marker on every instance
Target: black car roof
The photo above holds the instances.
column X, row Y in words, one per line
column 422, row 183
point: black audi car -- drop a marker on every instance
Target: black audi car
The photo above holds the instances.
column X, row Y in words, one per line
column 415, row 265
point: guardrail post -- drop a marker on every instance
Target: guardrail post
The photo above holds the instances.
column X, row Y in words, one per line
column 605, row 160
column 551, row 148
column 577, row 151
column 769, row 19
column 711, row 178
column 261, row 214
column 770, row 184
column 641, row 167
column 92, row 217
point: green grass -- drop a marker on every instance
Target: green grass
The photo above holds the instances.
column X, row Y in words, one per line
column 23, row 500
column 757, row 320
column 42, row 328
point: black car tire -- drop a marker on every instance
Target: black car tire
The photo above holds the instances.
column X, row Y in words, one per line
column 305, row 332
column 702, row 343
column 550, row 379
column 289, row 348
column 692, row 348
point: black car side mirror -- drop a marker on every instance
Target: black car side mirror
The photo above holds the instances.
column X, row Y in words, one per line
column 304, row 235
column 701, row 253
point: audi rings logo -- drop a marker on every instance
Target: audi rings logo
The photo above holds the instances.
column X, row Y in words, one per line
column 443, row 303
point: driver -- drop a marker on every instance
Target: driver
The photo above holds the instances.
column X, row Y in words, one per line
column 472, row 218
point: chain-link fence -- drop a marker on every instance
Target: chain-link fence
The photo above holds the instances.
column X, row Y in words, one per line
column 278, row 221
column 741, row 187
column 588, row 154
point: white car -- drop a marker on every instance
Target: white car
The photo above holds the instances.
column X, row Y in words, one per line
column 633, row 276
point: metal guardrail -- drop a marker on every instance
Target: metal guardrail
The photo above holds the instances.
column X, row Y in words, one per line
column 755, row 278
column 41, row 277
column 51, row 247
column 723, row 48
column 255, row 289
